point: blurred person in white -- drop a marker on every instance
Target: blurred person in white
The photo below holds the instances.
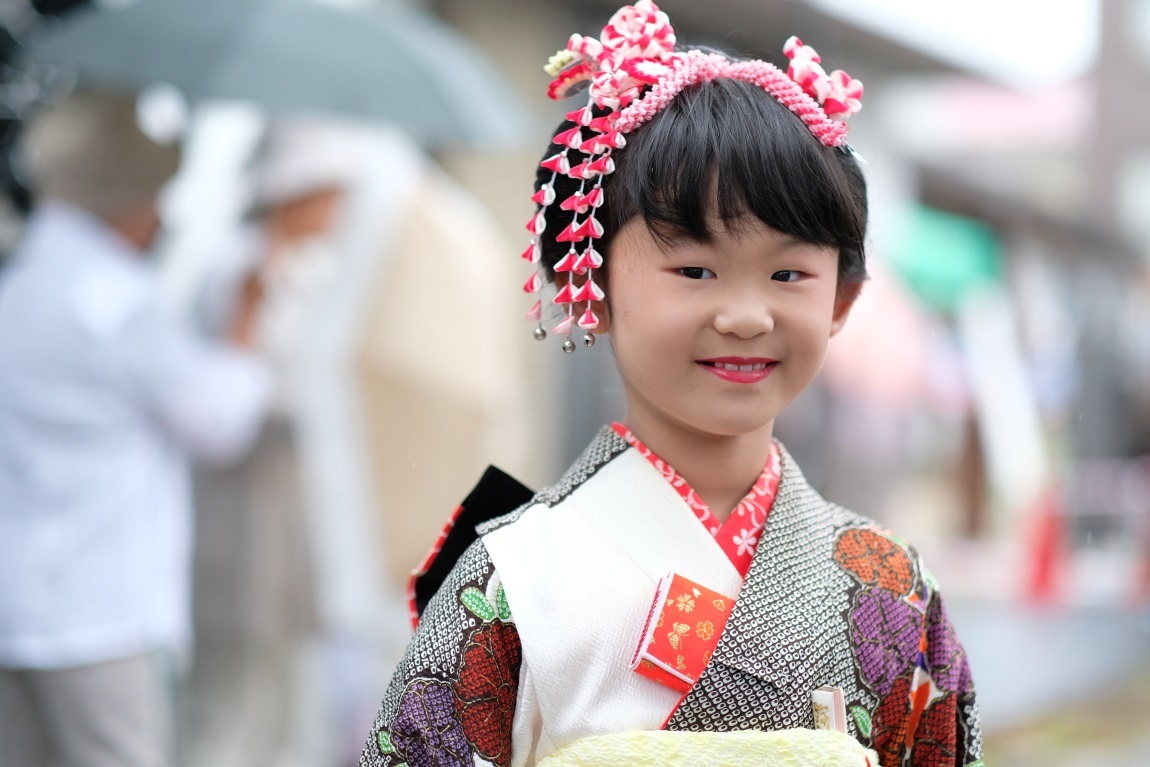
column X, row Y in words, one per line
column 384, row 413
column 105, row 397
column 255, row 600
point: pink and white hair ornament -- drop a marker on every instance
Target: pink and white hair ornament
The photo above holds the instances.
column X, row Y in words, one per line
column 838, row 93
column 632, row 71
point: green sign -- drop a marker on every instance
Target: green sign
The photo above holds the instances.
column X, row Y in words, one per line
column 942, row 256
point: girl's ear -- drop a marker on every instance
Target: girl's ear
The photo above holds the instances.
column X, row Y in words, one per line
column 844, row 300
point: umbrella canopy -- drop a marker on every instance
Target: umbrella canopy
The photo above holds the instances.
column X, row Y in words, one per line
column 389, row 63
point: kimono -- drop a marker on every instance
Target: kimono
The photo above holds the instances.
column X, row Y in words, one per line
column 525, row 648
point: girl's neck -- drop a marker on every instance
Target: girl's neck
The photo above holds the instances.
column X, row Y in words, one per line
column 720, row 469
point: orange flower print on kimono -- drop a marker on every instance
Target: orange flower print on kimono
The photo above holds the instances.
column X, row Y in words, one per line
column 875, row 559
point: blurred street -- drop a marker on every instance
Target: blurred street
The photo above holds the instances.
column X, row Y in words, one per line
column 1100, row 728
column 1060, row 686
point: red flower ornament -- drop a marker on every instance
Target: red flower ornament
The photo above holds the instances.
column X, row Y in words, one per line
column 639, row 31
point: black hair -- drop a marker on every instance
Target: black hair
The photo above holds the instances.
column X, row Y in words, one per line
column 730, row 139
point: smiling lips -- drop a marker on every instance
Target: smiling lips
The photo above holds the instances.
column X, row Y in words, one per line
column 739, row 369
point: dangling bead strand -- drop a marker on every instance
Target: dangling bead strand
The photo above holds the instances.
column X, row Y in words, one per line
column 534, row 254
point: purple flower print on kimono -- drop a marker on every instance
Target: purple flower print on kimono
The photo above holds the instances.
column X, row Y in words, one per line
column 885, row 631
column 426, row 731
column 945, row 655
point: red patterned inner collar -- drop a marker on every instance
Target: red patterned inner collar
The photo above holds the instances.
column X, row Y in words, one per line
column 740, row 534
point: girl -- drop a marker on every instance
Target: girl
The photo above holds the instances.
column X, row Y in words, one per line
column 716, row 203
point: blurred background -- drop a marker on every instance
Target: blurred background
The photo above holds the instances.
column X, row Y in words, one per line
column 989, row 400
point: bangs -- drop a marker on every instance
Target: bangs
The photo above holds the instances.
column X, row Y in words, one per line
column 727, row 150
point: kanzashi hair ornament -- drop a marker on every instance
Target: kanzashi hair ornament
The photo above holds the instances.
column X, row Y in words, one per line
column 632, row 72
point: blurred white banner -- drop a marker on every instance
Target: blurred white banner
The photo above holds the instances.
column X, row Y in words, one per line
column 1025, row 43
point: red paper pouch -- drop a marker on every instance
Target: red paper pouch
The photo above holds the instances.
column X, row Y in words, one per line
column 683, row 626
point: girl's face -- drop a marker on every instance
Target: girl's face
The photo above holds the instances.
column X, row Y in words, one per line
column 716, row 339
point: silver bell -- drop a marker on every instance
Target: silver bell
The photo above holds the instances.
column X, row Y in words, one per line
column 589, row 340
column 568, row 346
column 540, row 333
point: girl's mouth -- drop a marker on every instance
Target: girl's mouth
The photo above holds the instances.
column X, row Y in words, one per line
column 739, row 369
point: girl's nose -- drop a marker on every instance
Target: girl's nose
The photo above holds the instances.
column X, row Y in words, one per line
column 744, row 313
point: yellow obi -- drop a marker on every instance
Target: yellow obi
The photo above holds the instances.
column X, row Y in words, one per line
column 782, row 748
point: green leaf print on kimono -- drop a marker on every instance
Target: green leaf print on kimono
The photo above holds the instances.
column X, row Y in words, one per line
column 487, row 683
column 862, row 720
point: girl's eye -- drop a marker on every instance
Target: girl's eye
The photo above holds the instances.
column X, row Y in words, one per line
column 787, row 275
column 696, row 273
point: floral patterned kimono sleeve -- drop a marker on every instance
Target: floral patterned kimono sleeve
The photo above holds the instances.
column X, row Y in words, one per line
column 453, row 696
column 907, row 654
column 950, row 730
column 930, row 717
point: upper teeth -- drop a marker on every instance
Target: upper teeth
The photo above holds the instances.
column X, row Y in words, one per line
column 741, row 368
